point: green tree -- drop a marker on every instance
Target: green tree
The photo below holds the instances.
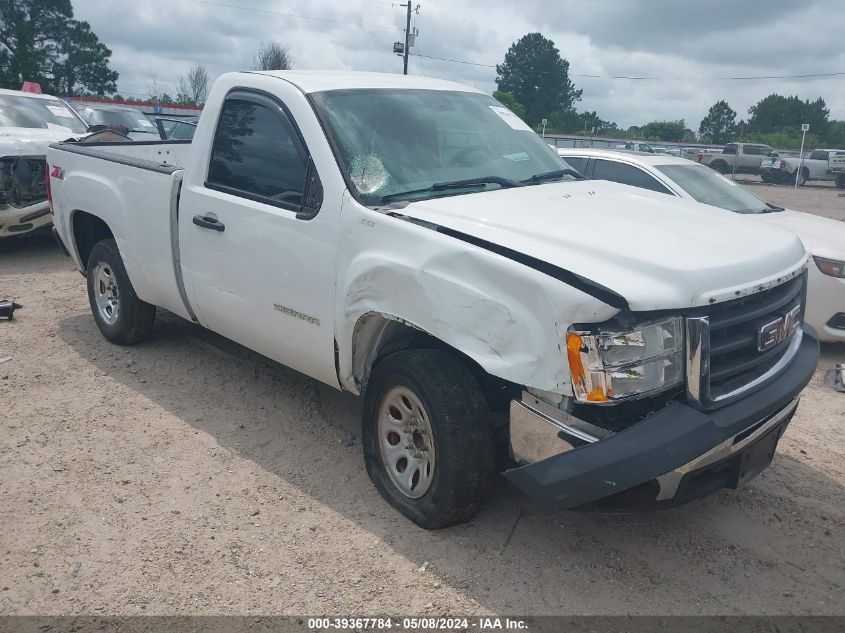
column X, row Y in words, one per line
column 667, row 131
column 720, row 123
column 40, row 41
column 507, row 100
column 777, row 113
column 537, row 77
column 83, row 61
column 836, row 134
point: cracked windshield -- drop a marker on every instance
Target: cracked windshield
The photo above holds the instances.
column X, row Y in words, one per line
column 455, row 136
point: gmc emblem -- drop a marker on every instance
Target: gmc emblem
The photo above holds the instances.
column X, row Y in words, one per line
column 779, row 330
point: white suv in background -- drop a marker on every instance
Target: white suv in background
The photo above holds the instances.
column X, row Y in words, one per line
column 823, row 237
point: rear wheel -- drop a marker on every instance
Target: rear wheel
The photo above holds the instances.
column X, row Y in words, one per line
column 840, row 181
column 720, row 166
column 800, row 178
column 428, row 444
column 121, row 316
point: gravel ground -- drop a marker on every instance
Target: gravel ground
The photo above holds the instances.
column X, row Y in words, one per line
column 188, row 475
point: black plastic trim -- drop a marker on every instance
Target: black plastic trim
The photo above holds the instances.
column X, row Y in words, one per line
column 667, row 439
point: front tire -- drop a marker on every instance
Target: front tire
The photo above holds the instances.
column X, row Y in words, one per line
column 121, row 316
column 428, row 443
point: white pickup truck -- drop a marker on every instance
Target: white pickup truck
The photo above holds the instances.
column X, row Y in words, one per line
column 412, row 241
column 794, row 169
column 836, row 166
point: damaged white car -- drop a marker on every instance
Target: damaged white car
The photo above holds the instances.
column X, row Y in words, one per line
column 412, row 241
column 28, row 124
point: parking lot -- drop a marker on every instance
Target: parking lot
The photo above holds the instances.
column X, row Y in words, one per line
column 190, row 475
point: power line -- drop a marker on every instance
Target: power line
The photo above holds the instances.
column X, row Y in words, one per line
column 644, row 78
column 295, row 15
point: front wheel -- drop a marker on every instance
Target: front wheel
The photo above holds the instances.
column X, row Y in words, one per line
column 120, row 315
column 428, row 444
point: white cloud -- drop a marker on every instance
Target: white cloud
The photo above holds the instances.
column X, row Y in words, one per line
column 159, row 39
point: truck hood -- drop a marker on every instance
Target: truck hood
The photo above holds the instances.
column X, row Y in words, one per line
column 26, row 141
column 822, row 236
column 656, row 251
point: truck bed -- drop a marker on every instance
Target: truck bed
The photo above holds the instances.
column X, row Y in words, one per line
column 134, row 188
column 163, row 156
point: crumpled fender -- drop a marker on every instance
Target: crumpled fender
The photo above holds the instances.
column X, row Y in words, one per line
column 506, row 316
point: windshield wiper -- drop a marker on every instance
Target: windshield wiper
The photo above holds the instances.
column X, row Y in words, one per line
column 504, row 183
column 557, row 174
column 771, row 208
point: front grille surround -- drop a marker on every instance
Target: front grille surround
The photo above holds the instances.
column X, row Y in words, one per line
column 723, row 360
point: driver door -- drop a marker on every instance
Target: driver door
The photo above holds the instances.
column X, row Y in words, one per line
column 258, row 270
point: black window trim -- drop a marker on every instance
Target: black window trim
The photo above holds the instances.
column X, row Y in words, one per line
column 275, row 105
column 595, row 159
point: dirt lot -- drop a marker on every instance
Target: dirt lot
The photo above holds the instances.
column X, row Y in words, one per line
column 189, row 475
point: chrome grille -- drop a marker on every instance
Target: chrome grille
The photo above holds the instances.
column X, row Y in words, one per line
column 724, row 360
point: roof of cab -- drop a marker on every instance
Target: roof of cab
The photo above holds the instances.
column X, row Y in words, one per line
column 319, row 80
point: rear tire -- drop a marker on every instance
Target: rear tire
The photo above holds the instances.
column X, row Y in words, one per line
column 121, row 316
column 801, row 178
column 720, row 166
column 840, row 181
column 431, row 391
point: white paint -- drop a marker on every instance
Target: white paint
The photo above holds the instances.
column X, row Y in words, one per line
column 821, row 236
column 351, row 263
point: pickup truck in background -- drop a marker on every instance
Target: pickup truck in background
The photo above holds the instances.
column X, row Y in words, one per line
column 412, row 241
column 29, row 122
column 792, row 169
column 748, row 158
column 836, row 166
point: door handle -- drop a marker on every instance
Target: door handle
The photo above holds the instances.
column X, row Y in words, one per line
column 209, row 223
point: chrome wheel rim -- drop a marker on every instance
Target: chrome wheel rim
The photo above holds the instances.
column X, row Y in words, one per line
column 106, row 294
column 406, row 442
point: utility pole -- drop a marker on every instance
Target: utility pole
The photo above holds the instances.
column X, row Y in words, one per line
column 407, row 38
column 404, row 49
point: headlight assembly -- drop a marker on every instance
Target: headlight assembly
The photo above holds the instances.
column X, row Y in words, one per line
column 831, row 267
column 608, row 366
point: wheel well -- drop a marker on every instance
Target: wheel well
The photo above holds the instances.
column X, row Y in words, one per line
column 377, row 336
column 88, row 230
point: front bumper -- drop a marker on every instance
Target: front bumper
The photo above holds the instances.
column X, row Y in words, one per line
column 672, row 456
column 20, row 220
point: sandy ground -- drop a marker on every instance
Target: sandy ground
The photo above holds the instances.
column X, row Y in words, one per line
column 190, row 475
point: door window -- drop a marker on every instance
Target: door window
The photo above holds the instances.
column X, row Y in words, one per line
column 627, row 175
column 578, row 163
column 256, row 154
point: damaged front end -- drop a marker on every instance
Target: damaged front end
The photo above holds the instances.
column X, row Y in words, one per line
column 668, row 411
column 23, row 195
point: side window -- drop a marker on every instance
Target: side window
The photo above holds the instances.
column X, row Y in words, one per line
column 578, row 163
column 256, row 153
column 751, row 150
column 627, row 175
column 819, row 154
column 730, row 149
